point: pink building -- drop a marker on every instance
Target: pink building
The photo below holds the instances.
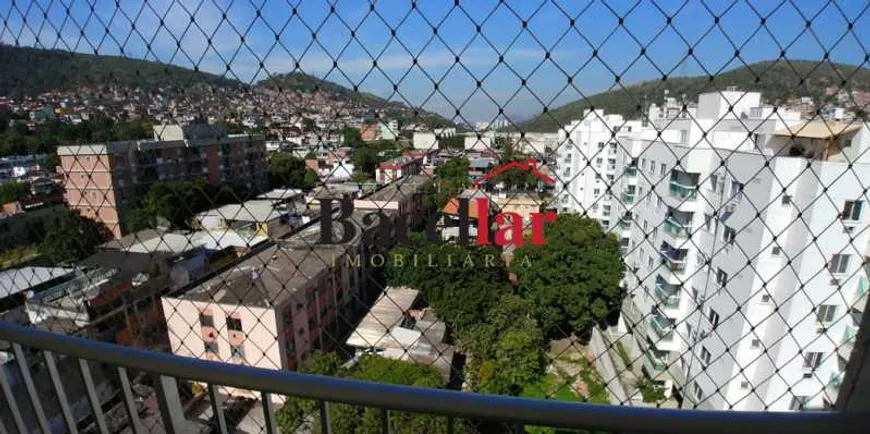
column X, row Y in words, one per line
column 391, row 170
column 103, row 180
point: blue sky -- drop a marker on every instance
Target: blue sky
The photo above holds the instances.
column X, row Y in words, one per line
column 215, row 40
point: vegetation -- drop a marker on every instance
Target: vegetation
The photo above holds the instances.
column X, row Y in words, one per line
column 776, row 80
column 70, row 236
column 450, row 179
column 177, row 201
column 623, row 355
column 17, row 255
column 345, row 418
column 32, row 70
column 18, row 139
column 573, row 283
column 13, row 191
column 650, row 390
column 288, row 171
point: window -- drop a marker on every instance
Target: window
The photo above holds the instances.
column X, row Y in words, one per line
column 234, row 324
column 851, row 210
column 713, row 317
column 206, row 320
column 237, row 351
column 705, row 357
column 839, row 264
column 765, row 298
column 728, row 235
column 736, row 188
column 798, row 403
column 825, row 313
column 721, row 278
column 755, row 344
column 707, row 220
column 662, row 169
column 211, row 347
column 600, row 145
column 744, row 384
column 596, row 192
column 812, row 360
column 786, row 199
column 598, row 161
column 714, row 183
column 847, row 143
column 775, row 251
column 699, row 394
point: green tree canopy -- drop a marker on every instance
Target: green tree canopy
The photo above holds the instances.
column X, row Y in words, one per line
column 13, row 191
column 286, row 170
column 572, row 281
column 352, row 137
column 71, row 237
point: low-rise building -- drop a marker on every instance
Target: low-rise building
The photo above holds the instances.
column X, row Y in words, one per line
column 391, row 170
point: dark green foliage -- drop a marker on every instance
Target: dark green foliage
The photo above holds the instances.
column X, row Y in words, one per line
column 70, row 237
column 460, row 282
column 650, row 390
column 365, row 160
column 572, row 281
column 13, row 191
column 288, row 171
column 177, row 201
column 777, row 81
column 450, row 179
column 18, row 140
column 346, row 418
column 32, row 70
column 351, row 137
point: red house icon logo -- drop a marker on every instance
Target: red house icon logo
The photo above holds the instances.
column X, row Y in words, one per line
column 530, row 165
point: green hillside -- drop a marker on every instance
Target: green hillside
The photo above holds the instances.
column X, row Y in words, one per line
column 31, row 71
column 777, row 81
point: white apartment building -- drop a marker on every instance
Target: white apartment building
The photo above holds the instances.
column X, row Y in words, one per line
column 746, row 279
column 589, row 158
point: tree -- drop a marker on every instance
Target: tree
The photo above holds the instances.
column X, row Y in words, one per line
column 650, row 390
column 70, row 237
column 286, row 170
column 365, row 160
column 571, row 281
column 13, row 191
column 345, row 418
column 506, row 348
column 351, row 137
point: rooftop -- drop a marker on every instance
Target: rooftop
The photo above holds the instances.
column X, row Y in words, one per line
column 403, row 187
column 16, row 280
column 819, row 129
column 281, row 194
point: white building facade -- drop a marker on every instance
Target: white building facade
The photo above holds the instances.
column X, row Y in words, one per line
column 745, row 279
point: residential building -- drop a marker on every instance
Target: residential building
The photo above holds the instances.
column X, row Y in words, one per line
column 395, row 328
column 720, row 277
column 404, row 197
column 103, row 180
column 391, row 170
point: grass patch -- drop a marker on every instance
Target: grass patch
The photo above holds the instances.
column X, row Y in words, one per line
column 18, row 255
column 623, row 354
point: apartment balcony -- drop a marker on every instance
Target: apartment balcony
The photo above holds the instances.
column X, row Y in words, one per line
column 658, row 363
column 627, row 197
column 682, row 191
column 668, row 296
column 859, row 300
column 662, row 327
column 676, row 229
column 631, row 171
column 456, row 409
column 624, row 223
column 847, row 342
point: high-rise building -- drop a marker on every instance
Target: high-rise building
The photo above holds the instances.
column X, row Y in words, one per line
column 746, row 279
column 103, row 180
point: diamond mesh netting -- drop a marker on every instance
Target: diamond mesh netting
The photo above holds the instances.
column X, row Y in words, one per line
column 647, row 203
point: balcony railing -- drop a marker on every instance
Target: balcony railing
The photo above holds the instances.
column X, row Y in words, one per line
column 685, row 192
column 455, row 406
column 627, row 197
column 667, row 297
column 631, row 171
column 624, row 223
column 655, row 362
column 676, row 229
column 675, row 265
column 663, row 328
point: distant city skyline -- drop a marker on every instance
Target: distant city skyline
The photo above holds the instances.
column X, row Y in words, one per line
column 164, row 32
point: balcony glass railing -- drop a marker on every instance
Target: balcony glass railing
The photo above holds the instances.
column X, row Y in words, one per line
column 667, row 297
column 624, row 223
column 685, row 192
column 631, row 171
column 627, row 197
column 662, row 327
column 675, row 265
column 676, row 229
column 655, row 362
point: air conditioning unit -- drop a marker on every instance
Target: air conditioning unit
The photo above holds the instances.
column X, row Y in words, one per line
column 835, row 282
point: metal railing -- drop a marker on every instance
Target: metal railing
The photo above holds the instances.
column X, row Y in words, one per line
column 167, row 370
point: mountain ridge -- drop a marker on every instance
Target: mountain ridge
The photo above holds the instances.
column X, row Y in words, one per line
column 777, row 80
